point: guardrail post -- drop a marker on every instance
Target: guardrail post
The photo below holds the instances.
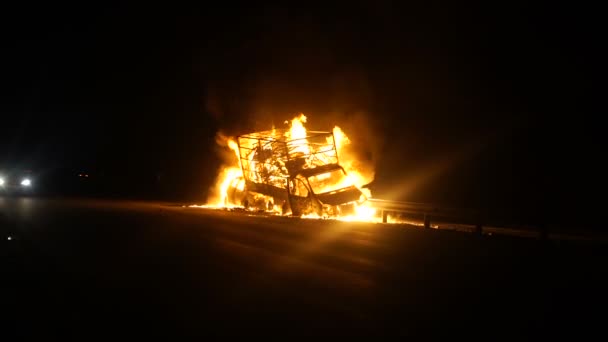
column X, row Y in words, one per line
column 384, row 216
column 427, row 221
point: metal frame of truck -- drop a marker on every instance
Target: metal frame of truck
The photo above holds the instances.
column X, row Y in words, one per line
column 278, row 169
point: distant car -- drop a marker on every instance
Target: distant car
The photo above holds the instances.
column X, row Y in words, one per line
column 16, row 182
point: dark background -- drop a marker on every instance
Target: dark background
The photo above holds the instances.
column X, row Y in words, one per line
column 496, row 107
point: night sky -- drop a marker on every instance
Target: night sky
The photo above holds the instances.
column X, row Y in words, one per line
column 458, row 104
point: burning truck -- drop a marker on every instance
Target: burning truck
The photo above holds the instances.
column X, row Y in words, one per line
column 292, row 171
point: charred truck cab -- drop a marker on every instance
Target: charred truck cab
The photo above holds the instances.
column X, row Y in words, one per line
column 328, row 192
column 293, row 175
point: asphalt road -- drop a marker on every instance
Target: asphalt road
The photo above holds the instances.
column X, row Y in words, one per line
column 87, row 269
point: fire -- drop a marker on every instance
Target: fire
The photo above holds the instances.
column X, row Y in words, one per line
column 228, row 176
column 354, row 169
column 363, row 213
column 297, row 133
column 234, row 147
column 297, row 130
column 231, row 178
column 341, row 139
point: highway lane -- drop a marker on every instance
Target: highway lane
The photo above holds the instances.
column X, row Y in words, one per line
column 86, row 268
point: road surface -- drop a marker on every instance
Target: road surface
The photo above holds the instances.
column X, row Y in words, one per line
column 82, row 269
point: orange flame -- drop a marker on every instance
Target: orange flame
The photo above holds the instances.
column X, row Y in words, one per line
column 297, row 134
column 297, row 137
column 227, row 176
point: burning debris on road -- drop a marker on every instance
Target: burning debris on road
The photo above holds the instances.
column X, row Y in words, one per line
column 294, row 172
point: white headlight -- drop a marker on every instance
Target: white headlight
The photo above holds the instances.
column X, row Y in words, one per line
column 26, row 182
column 1, row 181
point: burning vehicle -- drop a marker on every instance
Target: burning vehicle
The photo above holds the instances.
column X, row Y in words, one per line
column 291, row 171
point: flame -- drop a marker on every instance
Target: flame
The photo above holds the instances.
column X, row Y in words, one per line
column 234, row 147
column 357, row 173
column 341, row 139
column 228, row 176
column 297, row 133
column 363, row 213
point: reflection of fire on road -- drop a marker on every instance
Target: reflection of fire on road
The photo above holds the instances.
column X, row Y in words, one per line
column 309, row 174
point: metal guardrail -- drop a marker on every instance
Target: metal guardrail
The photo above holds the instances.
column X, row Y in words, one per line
column 481, row 222
column 432, row 212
